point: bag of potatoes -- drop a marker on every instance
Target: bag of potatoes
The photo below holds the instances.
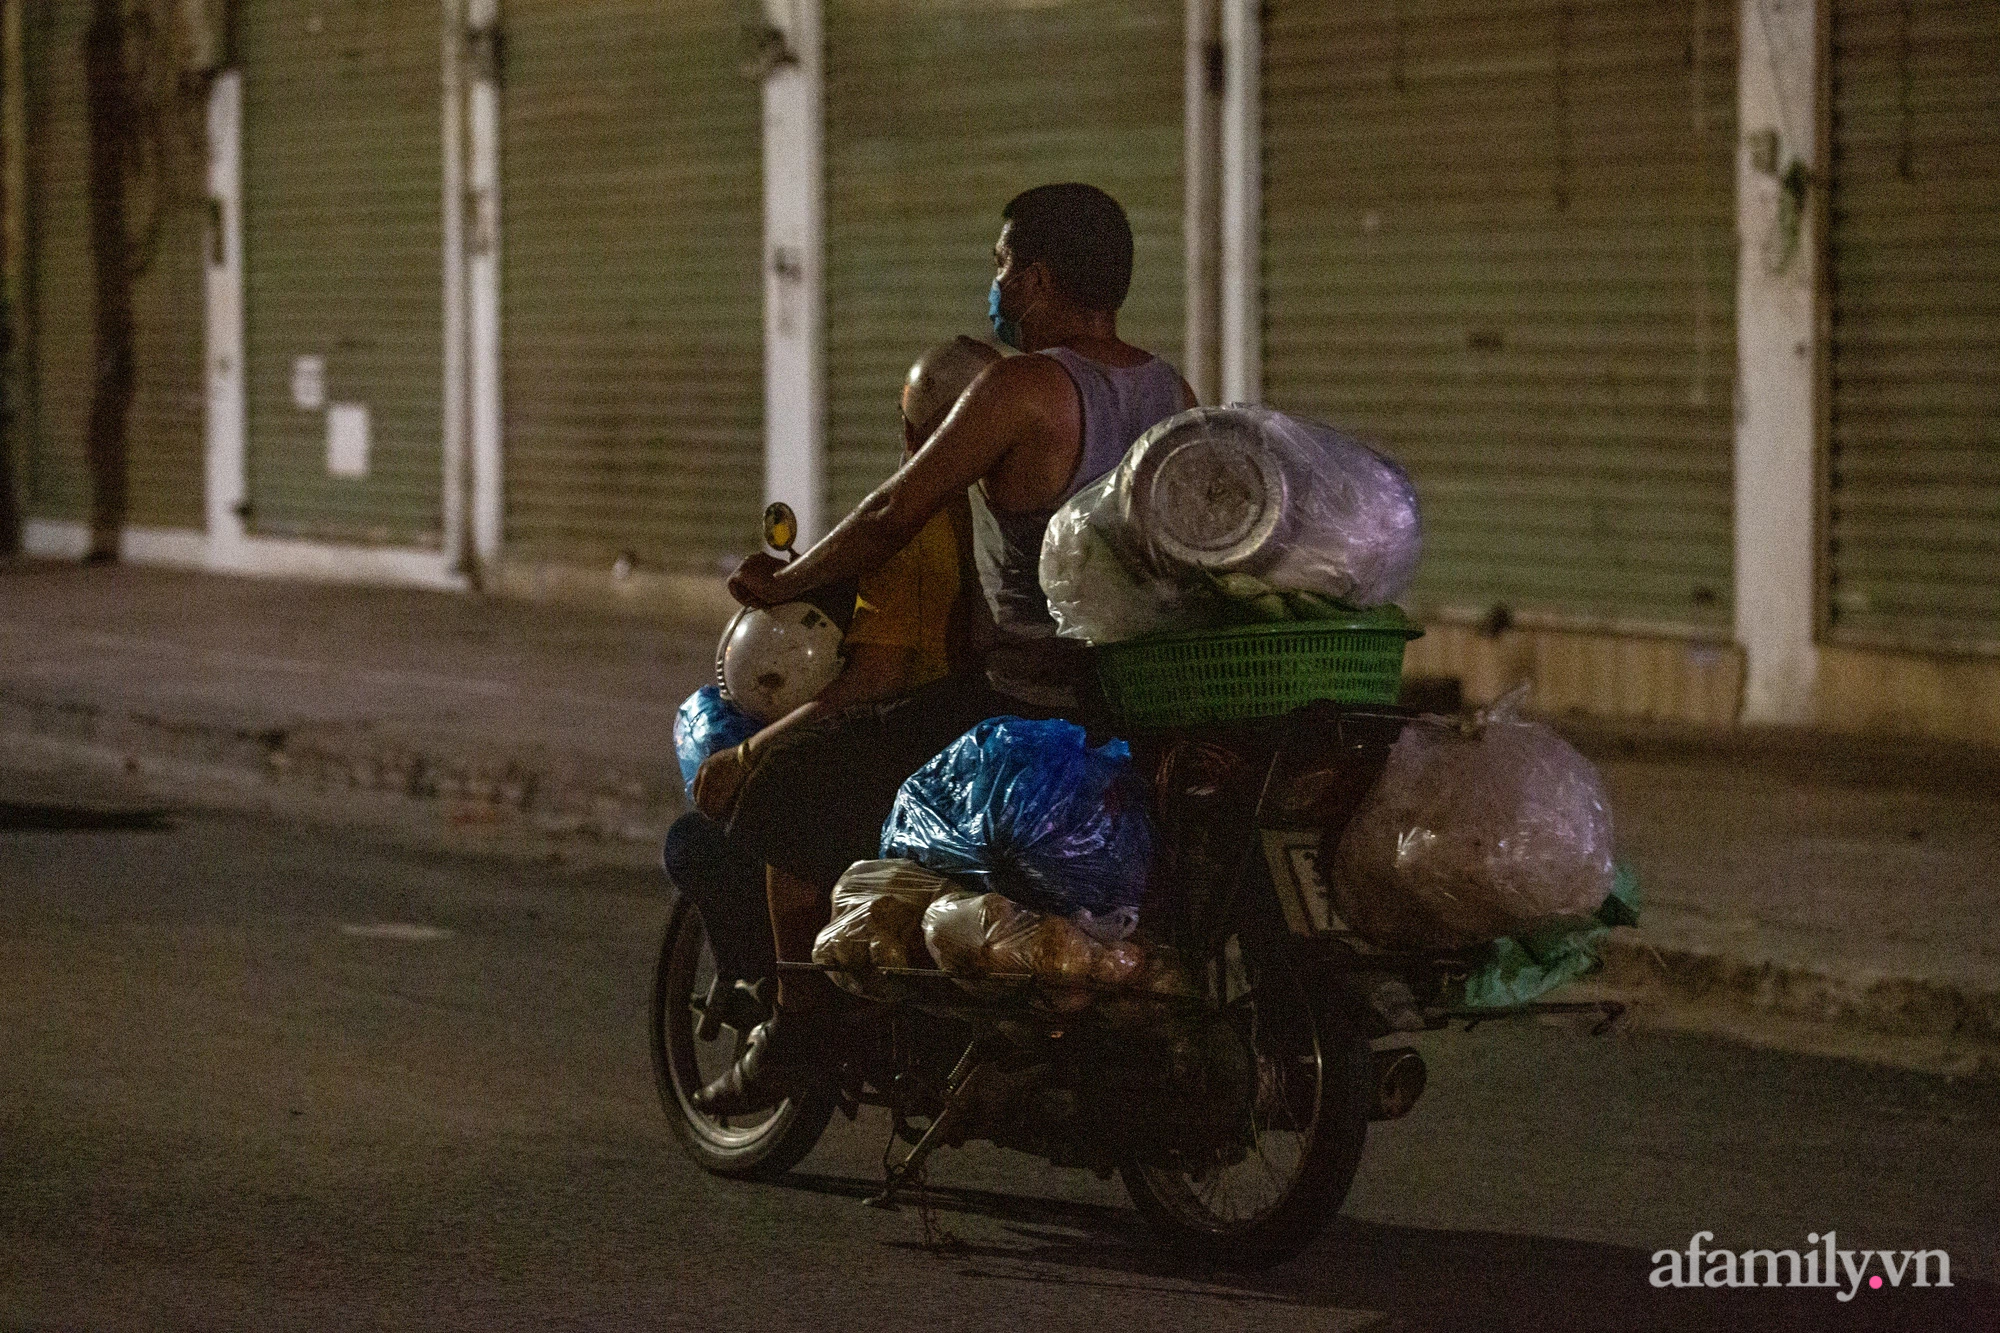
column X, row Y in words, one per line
column 878, row 917
column 975, row 935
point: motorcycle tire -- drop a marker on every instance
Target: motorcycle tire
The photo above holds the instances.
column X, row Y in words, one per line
column 1316, row 1178
column 767, row 1144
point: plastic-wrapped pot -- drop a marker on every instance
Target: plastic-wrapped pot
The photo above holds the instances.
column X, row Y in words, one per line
column 1214, row 499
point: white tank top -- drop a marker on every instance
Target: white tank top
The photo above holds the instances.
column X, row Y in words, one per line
column 1120, row 403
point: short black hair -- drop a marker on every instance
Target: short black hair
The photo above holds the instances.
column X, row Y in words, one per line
column 1081, row 233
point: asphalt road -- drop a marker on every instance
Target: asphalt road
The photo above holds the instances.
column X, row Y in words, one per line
column 259, row 1072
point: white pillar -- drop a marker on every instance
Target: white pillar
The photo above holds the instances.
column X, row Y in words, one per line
column 482, row 280
column 226, row 428
column 1242, row 351
column 456, row 398
column 1200, row 218
column 1776, row 362
column 17, row 456
column 794, row 250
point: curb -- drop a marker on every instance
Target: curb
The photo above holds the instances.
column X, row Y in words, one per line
column 558, row 794
column 1948, row 1029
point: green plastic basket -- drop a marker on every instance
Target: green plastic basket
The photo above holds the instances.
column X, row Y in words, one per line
column 1197, row 677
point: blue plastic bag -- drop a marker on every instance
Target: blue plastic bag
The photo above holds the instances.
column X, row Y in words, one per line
column 1028, row 810
column 706, row 723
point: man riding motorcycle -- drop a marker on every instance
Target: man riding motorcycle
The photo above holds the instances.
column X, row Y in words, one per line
column 1030, row 433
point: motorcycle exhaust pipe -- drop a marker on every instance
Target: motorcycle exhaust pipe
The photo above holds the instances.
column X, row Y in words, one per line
column 1400, row 1078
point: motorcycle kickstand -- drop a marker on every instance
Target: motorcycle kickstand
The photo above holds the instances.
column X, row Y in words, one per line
column 899, row 1174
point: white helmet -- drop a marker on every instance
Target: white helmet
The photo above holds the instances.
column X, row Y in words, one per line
column 771, row 661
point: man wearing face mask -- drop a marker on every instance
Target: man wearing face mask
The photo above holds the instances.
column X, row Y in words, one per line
column 1032, row 431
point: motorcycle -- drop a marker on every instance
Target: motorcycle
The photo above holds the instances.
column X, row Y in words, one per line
column 1235, row 1106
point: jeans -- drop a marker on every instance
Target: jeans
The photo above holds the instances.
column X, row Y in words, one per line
column 727, row 885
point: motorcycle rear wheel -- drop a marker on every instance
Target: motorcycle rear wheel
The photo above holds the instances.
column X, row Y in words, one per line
column 1308, row 1124
column 762, row 1146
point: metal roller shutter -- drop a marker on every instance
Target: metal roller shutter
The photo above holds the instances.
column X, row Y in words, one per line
column 936, row 115
column 164, row 431
column 1915, row 454
column 632, row 319
column 342, row 219
column 1500, row 239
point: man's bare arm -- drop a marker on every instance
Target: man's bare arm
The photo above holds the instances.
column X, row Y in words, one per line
column 1008, row 404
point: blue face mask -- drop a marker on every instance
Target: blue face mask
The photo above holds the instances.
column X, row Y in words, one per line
column 1008, row 331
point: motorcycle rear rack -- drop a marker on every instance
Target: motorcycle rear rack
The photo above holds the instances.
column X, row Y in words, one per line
column 1017, row 983
column 1340, row 958
column 970, row 1004
column 945, row 995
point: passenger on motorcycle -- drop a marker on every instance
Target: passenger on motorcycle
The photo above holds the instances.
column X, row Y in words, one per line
column 1028, row 434
column 917, row 619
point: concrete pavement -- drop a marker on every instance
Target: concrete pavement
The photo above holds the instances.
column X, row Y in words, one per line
column 260, row 1073
column 566, row 717
column 1801, row 890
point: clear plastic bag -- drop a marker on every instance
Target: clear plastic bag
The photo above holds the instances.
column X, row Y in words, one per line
column 1028, row 810
column 976, row 935
column 1230, row 514
column 705, row 724
column 1118, row 964
column 1095, row 592
column 1475, row 832
column 961, row 927
column 878, row 922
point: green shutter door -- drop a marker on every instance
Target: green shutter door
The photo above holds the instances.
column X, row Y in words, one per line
column 1499, row 238
column 342, row 208
column 164, row 431
column 632, row 318
column 936, row 115
column 1915, row 467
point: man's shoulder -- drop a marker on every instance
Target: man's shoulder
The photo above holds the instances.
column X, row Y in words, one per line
column 1029, row 368
column 1028, row 389
column 1043, row 380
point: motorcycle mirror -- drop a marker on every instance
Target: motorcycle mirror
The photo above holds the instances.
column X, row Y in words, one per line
column 781, row 528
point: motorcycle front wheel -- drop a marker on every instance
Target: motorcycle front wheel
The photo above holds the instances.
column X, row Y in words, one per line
column 1263, row 1198
column 760, row 1146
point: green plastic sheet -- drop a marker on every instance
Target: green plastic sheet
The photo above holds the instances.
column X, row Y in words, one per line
column 1518, row 971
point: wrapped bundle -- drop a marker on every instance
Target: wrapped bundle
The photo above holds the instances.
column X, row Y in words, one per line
column 1118, row 964
column 975, row 935
column 962, row 929
column 1227, row 514
column 1027, row 809
column 1098, row 594
column 1498, row 828
column 878, row 919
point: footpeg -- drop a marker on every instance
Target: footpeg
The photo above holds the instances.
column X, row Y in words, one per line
column 730, row 1004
